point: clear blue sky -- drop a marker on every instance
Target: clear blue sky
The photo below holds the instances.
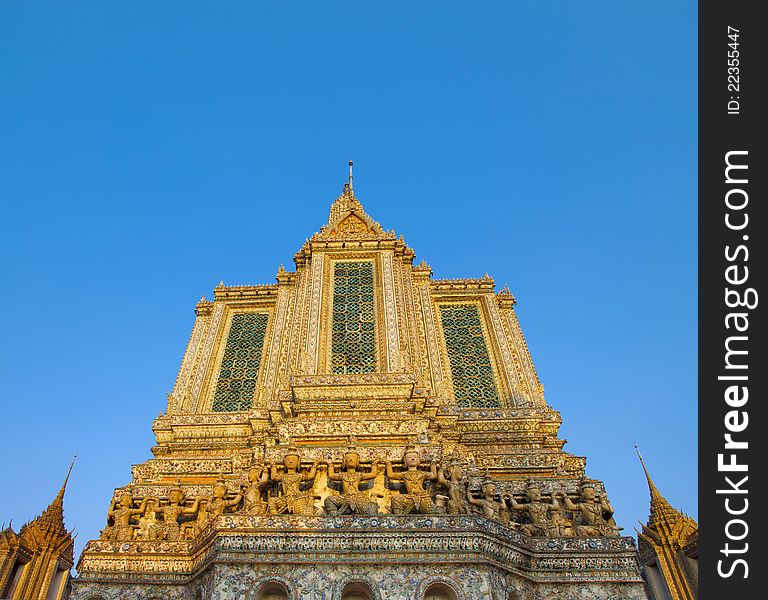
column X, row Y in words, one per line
column 150, row 149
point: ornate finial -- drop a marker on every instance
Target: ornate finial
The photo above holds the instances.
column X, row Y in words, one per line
column 661, row 510
column 221, row 284
column 66, row 479
column 351, row 189
column 651, row 485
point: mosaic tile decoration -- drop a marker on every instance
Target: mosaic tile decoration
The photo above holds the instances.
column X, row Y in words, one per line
column 473, row 382
column 353, row 335
column 236, row 385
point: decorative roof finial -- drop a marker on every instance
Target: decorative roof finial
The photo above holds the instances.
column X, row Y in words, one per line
column 661, row 510
column 66, row 479
column 351, row 190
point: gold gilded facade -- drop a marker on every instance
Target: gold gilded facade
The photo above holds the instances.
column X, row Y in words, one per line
column 359, row 427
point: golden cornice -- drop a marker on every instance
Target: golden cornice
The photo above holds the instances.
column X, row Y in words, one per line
column 376, row 386
column 461, row 286
column 244, row 292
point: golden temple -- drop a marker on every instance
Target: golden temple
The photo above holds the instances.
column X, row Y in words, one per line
column 359, row 430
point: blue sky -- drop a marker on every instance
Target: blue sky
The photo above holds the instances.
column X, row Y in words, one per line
column 149, row 150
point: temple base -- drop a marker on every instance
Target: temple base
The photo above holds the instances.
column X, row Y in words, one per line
column 392, row 557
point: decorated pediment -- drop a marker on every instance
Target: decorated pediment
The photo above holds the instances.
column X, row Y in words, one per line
column 348, row 220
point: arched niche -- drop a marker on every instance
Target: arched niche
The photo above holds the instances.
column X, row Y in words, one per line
column 272, row 590
column 357, row 590
column 440, row 591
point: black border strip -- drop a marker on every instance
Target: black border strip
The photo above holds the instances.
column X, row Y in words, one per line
column 731, row 262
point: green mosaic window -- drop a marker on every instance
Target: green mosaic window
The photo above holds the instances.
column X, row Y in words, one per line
column 353, row 337
column 471, row 369
column 236, row 386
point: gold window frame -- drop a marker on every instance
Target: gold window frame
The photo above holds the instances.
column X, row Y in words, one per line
column 490, row 345
column 221, row 344
column 326, row 313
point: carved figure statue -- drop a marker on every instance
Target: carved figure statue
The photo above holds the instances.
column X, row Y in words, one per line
column 253, row 503
column 490, row 507
column 174, row 511
column 538, row 512
column 351, row 499
column 457, row 503
column 292, row 500
column 416, row 499
column 219, row 504
column 594, row 512
column 122, row 518
column 149, row 526
column 203, row 517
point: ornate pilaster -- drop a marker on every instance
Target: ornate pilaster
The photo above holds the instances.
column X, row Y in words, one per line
column 268, row 388
column 391, row 326
column 310, row 359
column 512, row 380
column 179, row 400
column 205, row 357
column 527, row 375
column 438, row 375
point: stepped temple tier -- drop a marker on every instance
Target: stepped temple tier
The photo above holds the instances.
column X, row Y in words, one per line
column 358, row 430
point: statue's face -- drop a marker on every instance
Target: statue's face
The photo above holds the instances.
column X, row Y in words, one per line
column 174, row 497
column 489, row 489
column 411, row 459
column 534, row 494
column 254, row 475
column 456, row 472
column 291, row 461
column 352, row 460
column 588, row 493
column 219, row 491
column 126, row 500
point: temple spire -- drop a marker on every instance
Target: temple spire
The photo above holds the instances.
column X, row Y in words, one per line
column 53, row 516
column 351, row 189
column 66, row 479
column 661, row 510
column 651, row 485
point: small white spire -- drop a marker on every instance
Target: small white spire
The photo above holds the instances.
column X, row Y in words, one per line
column 351, row 190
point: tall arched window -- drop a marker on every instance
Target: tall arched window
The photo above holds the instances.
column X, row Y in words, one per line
column 356, row 591
column 272, row 591
column 439, row 591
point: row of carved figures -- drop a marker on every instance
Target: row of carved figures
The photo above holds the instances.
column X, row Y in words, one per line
column 420, row 493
